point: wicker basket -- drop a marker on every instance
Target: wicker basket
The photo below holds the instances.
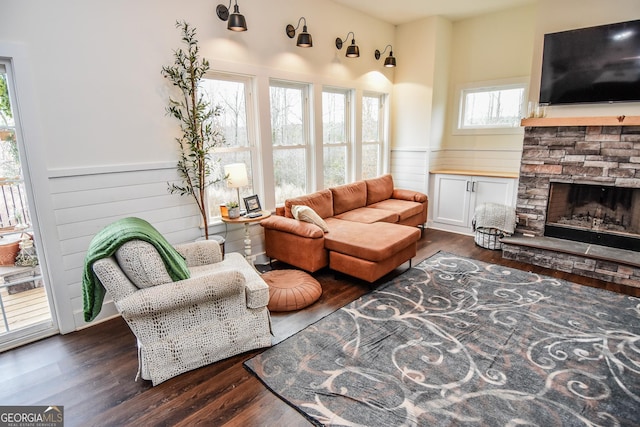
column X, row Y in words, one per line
column 488, row 238
column 8, row 252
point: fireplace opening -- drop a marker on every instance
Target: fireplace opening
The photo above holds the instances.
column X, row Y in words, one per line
column 597, row 214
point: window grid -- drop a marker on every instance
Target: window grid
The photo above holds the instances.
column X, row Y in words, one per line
column 336, row 131
column 372, row 134
column 236, row 122
column 290, row 124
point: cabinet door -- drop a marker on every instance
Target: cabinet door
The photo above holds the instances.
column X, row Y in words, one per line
column 492, row 190
column 452, row 199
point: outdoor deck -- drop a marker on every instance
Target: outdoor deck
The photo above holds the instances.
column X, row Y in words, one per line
column 23, row 309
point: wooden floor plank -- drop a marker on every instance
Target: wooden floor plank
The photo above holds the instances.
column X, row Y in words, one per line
column 91, row 372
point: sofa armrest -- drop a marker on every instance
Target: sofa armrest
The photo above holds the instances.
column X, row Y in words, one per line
column 200, row 253
column 292, row 226
column 410, row 195
column 184, row 293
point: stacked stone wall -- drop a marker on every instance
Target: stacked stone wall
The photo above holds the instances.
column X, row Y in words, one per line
column 602, row 155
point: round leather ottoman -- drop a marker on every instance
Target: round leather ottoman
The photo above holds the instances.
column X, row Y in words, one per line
column 291, row 289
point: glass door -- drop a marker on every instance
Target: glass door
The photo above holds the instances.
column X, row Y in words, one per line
column 24, row 305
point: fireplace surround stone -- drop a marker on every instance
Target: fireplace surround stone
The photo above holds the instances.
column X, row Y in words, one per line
column 601, row 155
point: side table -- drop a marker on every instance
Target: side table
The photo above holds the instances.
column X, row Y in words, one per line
column 246, row 221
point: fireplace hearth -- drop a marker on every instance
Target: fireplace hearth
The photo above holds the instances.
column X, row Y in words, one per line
column 578, row 202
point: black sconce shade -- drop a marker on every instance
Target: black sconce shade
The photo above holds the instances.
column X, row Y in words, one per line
column 390, row 61
column 304, row 38
column 353, row 51
column 236, row 21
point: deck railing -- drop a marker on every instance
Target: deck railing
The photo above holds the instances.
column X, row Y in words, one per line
column 13, row 204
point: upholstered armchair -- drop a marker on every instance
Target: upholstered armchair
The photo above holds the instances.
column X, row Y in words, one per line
column 218, row 312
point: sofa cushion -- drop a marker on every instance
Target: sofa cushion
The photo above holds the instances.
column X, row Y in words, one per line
column 142, row 264
column 349, row 196
column 374, row 242
column 368, row 215
column 379, row 189
column 403, row 208
column 306, row 214
column 412, row 196
column 291, row 226
column 320, row 201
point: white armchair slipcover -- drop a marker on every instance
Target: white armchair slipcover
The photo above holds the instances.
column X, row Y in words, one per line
column 220, row 311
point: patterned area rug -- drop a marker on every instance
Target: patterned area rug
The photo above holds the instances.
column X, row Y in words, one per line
column 455, row 341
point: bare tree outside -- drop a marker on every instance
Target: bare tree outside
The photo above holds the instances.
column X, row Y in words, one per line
column 232, row 122
column 335, row 137
column 371, row 135
column 289, row 139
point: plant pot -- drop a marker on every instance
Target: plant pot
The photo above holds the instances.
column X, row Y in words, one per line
column 234, row 213
column 8, row 250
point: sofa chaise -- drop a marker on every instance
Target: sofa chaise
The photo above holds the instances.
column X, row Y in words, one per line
column 370, row 228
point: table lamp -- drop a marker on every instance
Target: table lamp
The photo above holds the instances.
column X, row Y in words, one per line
column 236, row 174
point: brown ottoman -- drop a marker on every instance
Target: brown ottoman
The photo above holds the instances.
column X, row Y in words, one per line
column 291, row 289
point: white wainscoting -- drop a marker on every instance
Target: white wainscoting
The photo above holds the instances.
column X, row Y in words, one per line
column 84, row 202
column 410, row 168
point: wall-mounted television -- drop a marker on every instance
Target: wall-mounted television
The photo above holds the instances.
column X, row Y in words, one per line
column 595, row 64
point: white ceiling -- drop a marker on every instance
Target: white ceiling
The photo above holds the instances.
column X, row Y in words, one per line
column 402, row 11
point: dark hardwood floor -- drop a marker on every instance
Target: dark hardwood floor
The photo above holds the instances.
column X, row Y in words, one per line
column 91, row 372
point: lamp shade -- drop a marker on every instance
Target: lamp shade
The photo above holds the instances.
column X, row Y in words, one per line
column 304, row 38
column 390, row 61
column 236, row 174
column 236, row 20
column 353, row 51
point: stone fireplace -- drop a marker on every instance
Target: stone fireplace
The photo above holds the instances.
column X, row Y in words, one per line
column 579, row 201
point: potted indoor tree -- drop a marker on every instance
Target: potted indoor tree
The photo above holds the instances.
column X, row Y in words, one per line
column 196, row 116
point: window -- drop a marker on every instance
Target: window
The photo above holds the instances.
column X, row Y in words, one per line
column 491, row 107
column 290, row 139
column 9, row 161
column 372, row 135
column 232, row 94
column 335, row 134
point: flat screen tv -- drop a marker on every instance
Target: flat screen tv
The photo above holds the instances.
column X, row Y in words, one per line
column 589, row 65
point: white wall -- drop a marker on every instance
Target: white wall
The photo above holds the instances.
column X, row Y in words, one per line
column 487, row 48
column 93, row 103
column 420, row 90
column 97, row 65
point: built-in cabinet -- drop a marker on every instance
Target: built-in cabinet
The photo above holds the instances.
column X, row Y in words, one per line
column 454, row 197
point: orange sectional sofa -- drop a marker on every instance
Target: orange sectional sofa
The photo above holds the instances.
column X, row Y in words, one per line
column 371, row 229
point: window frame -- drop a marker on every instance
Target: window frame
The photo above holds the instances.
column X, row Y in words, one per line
column 489, row 86
column 307, row 145
column 348, row 132
column 254, row 168
column 383, row 137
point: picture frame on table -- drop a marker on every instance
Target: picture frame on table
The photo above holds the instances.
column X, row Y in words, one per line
column 252, row 203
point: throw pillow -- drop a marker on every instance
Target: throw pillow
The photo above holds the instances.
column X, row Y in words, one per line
column 306, row 214
column 142, row 264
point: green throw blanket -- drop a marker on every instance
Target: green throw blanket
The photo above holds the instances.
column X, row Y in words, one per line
column 107, row 242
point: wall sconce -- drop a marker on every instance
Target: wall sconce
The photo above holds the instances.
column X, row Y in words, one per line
column 236, row 20
column 389, row 61
column 353, row 51
column 304, row 38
